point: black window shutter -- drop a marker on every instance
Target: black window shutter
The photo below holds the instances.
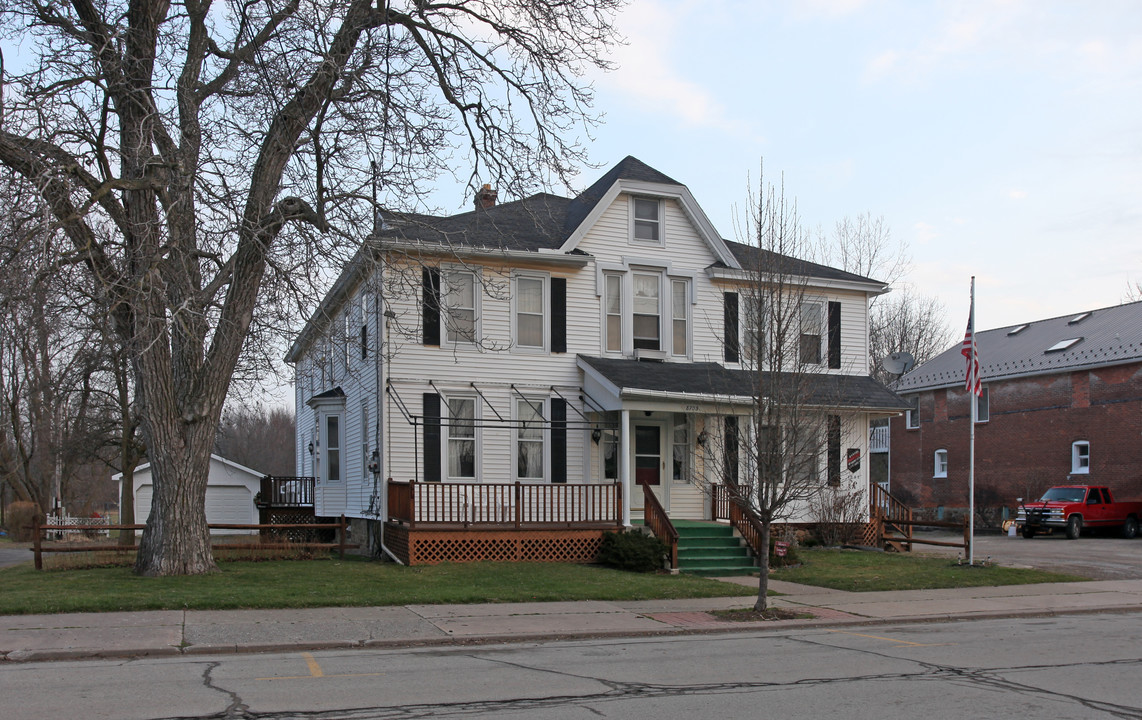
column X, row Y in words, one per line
column 834, row 455
column 558, row 440
column 431, row 437
column 430, row 307
column 559, row 315
column 730, row 327
column 730, row 472
column 364, row 340
column 835, row 335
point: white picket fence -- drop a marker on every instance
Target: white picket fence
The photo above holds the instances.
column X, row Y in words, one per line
column 67, row 520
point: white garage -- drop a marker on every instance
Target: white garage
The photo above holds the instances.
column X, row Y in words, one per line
column 230, row 491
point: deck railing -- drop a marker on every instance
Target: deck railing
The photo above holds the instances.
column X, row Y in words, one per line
column 505, row 504
column 894, row 518
column 280, row 491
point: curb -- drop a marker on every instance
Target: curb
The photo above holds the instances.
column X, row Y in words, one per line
column 721, row 628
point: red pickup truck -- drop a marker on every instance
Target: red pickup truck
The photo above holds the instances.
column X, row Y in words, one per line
column 1074, row 507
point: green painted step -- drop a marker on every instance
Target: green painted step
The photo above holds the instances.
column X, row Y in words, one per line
column 711, row 549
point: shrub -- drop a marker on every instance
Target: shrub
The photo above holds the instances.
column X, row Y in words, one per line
column 633, row 551
column 20, row 517
column 778, row 561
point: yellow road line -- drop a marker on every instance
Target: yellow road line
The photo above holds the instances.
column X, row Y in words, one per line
column 886, row 639
column 314, row 669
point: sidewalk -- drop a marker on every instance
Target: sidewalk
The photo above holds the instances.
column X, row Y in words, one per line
column 199, row 632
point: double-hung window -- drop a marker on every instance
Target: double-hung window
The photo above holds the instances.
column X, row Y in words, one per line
column 680, row 313
column 647, row 311
column 812, row 324
column 614, row 312
column 529, row 312
column 983, row 406
column 459, row 301
column 647, row 220
column 752, row 324
column 940, row 464
column 1080, row 457
column 333, row 448
column 680, row 449
column 912, row 414
column 461, row 438
column 529, row 439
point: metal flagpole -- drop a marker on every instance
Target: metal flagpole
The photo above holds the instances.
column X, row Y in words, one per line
column 973, row 400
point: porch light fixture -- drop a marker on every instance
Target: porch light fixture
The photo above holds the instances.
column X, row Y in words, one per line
column 596, row 435
column 702, row 438
column 310, row 447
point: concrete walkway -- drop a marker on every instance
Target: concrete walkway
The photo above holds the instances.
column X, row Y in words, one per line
column 199, row 632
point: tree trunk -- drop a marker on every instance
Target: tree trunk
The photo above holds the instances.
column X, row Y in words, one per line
column 177, row 539
column 127, row 505
column 762, row 603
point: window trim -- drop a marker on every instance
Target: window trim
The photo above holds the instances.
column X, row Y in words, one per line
column 330, row 450
column 822, row 331
column 657, row 275
column 446, row 274
column 618, row 277
column 446, row 438
column 912, row 415
column 940, row 463
column 687, row 342
column 1078, row 467
column 686, row 446
column 660, row 222
column 982, row 406
column 544, row 281
column 542, row 406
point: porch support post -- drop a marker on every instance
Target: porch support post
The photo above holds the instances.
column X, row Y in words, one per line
column 625, row 464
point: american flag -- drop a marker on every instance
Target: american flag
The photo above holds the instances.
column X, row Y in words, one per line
column 972, row 383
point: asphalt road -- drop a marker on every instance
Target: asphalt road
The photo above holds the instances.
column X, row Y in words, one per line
column 1101, row 557
column 14, row 555
column 1082, row 666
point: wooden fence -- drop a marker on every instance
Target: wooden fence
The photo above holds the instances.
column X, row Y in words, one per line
column 38, row 531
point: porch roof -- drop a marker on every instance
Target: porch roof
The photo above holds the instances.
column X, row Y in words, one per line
column 630, row 379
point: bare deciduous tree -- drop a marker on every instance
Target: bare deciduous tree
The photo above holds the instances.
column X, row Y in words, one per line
column 259, row 438
column 225, row 148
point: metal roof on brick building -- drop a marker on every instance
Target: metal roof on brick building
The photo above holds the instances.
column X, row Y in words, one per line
column 1082, row 340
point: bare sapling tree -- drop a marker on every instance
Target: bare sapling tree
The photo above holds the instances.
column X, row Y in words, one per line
column 772, row 451
column 210, row 162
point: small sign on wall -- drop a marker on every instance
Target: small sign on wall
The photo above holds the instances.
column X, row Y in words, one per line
column 854, row 459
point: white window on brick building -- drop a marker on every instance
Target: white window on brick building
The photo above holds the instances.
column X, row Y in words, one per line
column 940, row 464
column 1080, row 457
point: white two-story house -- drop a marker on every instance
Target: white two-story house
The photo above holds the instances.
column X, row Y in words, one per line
column 507, row 382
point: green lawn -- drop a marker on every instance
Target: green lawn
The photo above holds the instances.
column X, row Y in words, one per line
column 870, row 571
column 351, row 582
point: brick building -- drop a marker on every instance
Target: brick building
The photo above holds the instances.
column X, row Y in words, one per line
column 1062, row 402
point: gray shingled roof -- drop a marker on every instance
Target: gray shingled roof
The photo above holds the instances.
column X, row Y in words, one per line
column 752, row 257
column 707, row 378
column 1107, row 336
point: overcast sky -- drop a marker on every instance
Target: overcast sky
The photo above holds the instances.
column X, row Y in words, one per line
column 998, row 139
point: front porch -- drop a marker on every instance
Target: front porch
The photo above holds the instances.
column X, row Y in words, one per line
column 432, row 522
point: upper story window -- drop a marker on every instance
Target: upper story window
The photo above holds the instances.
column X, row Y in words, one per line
column 983, row 406
column 940, row 464
column 812, row 325
column 646, row 220
column 647, row 311
column 680, row 312
column 912, row 414
column 530, row 312
column 1080, row 457
column 458, row 298
column 614, row 312
column 753, row 338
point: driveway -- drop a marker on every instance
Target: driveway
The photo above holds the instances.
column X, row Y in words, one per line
column 1100, row 557
column 14, row 555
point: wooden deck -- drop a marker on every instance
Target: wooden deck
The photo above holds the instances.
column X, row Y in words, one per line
column 431, row 523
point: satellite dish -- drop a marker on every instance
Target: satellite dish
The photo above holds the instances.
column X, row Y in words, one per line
column 898, row 363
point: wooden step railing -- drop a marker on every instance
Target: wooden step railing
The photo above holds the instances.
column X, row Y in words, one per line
column 893, row 519
column 730, row 502
column 659, row 523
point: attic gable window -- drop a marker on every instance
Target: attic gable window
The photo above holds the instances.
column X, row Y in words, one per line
column 1063, row 345
column 646, row 220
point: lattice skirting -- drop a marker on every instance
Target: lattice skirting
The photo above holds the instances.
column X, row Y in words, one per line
column 429, row 547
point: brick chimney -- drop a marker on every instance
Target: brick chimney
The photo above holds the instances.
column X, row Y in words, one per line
column 485, row 197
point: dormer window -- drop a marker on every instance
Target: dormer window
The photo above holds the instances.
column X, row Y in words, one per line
column 646, row 220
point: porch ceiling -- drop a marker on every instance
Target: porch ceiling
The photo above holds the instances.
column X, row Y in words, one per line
column 638, row 379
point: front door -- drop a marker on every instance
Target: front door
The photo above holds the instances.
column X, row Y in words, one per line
column 648, row 465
